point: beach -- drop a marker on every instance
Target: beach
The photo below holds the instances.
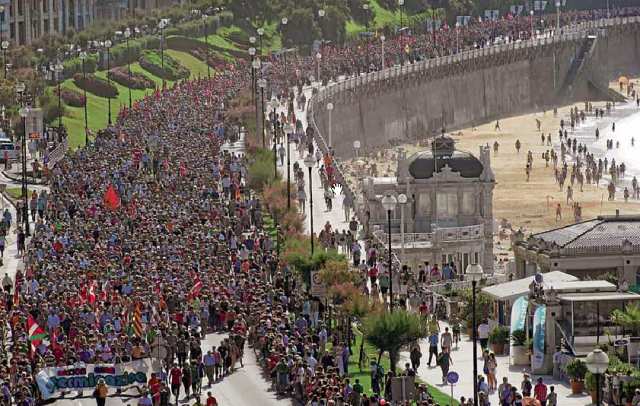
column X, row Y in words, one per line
column 532, row 205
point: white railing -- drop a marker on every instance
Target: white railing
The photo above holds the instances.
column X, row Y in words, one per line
column 447, row 234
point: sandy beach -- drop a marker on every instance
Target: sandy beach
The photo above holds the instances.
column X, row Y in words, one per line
column 529, row 205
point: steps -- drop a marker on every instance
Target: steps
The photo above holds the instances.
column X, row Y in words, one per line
column 577, row 66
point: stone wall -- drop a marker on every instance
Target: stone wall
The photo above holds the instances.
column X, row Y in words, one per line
column 416, row 101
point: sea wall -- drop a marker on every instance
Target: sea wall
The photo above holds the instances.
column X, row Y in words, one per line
column 414, row 102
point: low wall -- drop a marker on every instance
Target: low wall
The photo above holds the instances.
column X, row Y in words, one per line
column 413, row 102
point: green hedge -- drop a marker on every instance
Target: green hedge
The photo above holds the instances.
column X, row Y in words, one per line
column 95, row 85
column 151, row 61
column 185, row 44
column 138, row 80
column 74, row 65
column 72, row 98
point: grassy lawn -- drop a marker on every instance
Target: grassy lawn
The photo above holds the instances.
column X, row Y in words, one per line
column 197, row 67
column 16, row 192
column 371, row 354
column 97, row 106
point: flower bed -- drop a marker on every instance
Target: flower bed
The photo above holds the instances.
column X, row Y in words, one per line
column 95, row 85
column 138, row 80
column 72, row 98
column 151, row 61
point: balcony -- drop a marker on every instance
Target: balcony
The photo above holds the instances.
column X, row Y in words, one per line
column 428, row 240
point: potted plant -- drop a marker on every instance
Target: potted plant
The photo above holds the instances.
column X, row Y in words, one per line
column 591, row 385
column 498, row 337
column 519, row 352
column 629, row 319
column 577, row 369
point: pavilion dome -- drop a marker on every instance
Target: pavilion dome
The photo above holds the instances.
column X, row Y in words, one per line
column 421, row 164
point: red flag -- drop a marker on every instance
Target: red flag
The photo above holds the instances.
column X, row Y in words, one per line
column 92, row 293
column 111, row 198
column 195, row 290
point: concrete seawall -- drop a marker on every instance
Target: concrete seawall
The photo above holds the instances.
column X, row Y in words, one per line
column 416, row 101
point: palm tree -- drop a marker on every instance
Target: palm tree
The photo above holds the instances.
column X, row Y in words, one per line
column 391, row 331
column 629, row 318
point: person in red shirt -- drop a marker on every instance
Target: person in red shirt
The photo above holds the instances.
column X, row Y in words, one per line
column 154, row 387
column 211, row 401
column 176, row 381
column 540, row 392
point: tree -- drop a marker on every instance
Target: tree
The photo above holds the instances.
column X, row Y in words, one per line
column 629, row 318
column 391, row 331
column 301, row 28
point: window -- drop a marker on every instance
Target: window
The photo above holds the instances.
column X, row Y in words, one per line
column 465, row 260
column 424, row 205
column 468, row 203
column 476, row 257
column 447, row 205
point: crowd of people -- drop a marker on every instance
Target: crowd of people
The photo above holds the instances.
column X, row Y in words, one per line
column 151, row 232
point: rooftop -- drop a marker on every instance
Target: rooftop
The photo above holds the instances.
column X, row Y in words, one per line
column 599, row 232
column 520, row 287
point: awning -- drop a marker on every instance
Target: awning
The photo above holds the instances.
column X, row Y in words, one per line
column 598, row 297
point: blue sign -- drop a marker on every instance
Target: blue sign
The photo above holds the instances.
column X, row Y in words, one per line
column 452, row 378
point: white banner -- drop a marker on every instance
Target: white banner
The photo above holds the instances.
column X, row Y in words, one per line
column 53, row 381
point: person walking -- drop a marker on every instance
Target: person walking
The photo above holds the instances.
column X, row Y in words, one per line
column 415, row 356
column 540, row 392
column 433, row 347
column 347, row 205
column 483, row 334
column 101, row 392
column 445, row 362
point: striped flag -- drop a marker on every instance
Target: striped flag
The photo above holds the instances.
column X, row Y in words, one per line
column 137, row 321
column 195, row 290
column 36, row 333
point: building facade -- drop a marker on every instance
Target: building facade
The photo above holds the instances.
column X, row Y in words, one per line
column 588, row 250
column 24, row 21
column 448, row 216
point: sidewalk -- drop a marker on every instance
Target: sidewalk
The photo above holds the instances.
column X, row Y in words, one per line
column 462, row 358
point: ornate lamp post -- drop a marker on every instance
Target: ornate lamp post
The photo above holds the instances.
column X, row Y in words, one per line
column 309, row 162
column 318, row 59
column 206, row 41
column 127, row 34
column 597, row 362
column 58, row 68
column 260, row 34
column 252, row 54
column 401, row 4
column 288, row 129
column 330, row 109
column 474, row 273
column 107, row 46
column 262, row 83
column 531, row 22
column 162, row 25
column 402, row 200
column 274, row 106
column 24, row 113
column 365, row 7
column 4, row 44
column 382, row 39
column 83, row 57
column 284, row 22
column 389, row 203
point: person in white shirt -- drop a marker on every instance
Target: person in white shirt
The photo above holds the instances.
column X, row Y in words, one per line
column 483, row 334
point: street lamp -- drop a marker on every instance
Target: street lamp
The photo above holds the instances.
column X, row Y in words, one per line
column 318, row 59
column 309, row 162
column 597, row 362
column 389, row 203
column 474, row 273
column 288, row 129
column 127, row 34
column 365, row 7
column 83, row 57
column 457, row 38
column 558, row 4
column 107, row 45
column 284, row 53
column 1, row 22
column 162, row 24
column 4, row 45
column 58, row 68
column 24, row 113
column 206, row 41
column 402, row 200
column 252, row 54
column 531, row 22
column 401, row 4
column 321, row 13
column 382, row 39
column 274, row 107
column 262, row 83
column 260, row 34
column 330, row 109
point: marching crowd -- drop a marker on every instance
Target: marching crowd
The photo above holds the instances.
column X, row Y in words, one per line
column 151, row 233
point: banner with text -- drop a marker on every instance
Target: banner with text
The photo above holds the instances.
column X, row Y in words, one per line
column 539, row 322
column 519, row 313
column 55, row 380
